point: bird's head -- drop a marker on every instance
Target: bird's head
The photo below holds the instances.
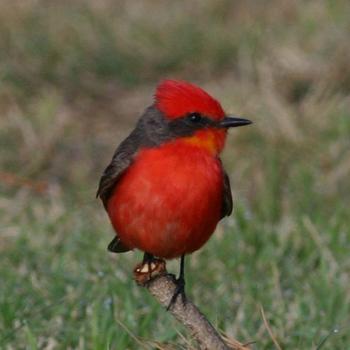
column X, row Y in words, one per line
column 194, row 116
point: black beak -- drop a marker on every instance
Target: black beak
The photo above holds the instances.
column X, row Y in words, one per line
column 232, row 122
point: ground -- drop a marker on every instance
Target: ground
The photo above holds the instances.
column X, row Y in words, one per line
column 75, row 78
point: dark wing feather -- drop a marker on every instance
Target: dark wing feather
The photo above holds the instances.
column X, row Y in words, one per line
column 121, row 160
column 227, row 204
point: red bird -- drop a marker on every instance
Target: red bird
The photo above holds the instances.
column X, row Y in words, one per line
column 165, row 188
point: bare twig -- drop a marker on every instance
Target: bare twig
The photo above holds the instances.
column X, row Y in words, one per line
column 162, row 287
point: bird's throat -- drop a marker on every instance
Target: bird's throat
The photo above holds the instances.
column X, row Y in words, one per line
column 210, row 140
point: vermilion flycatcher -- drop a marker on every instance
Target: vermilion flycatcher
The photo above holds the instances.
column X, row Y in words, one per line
column 165, row 189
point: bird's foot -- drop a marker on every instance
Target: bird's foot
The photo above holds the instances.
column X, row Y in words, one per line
column 179, row 291
column 149, row 269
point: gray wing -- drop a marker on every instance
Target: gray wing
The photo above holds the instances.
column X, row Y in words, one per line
column 227, row 204
column 121, row 160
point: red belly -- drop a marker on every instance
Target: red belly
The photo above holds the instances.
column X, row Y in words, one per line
column 169, row 201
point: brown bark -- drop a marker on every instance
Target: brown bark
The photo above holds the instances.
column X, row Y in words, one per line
column 162, row 287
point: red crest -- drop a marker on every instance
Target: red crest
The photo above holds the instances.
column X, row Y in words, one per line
column 176, row 98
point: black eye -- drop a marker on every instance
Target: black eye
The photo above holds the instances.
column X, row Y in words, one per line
column 194, row 117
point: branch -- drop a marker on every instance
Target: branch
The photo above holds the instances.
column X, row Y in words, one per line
column 162, row 286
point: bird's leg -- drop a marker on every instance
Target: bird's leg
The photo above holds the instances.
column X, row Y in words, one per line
column 147, row 258
column 180, row 285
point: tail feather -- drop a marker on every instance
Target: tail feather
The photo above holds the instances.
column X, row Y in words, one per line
column 116, row 246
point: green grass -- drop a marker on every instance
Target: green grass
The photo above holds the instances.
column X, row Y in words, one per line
column 62, row 287
column 74, row 78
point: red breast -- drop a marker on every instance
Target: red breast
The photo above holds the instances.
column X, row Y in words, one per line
column 168, row 202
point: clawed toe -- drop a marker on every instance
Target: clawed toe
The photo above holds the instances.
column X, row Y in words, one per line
column 179, row 290
column 148, row 269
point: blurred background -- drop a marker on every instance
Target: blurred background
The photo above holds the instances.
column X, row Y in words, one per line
column 75, row 77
